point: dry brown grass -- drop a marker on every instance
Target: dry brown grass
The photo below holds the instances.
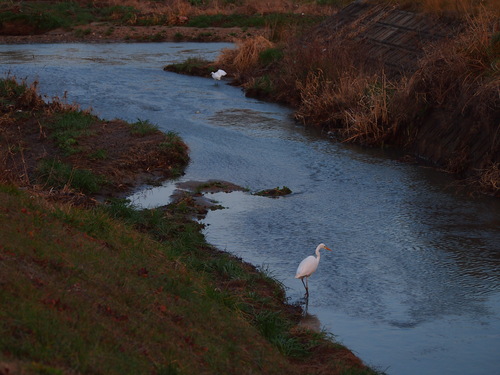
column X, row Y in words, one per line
column 462, row 73
column 489, row 179
column 357, row 106
column 245, row 58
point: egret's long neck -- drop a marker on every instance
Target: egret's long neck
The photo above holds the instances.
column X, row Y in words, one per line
column 317, row 252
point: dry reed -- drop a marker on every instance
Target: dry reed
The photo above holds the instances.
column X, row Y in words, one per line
column 462, row 73
column 245, row 58
column 489, row 178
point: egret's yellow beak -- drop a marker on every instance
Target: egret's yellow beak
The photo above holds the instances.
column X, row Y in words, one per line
column 328, row 248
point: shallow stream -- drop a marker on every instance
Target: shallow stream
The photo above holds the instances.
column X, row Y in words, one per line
column 413, row 283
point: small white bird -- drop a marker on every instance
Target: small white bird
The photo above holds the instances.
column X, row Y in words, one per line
column 218, row 75
column 308, row 266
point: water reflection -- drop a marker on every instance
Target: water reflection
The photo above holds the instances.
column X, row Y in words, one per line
column 16, row 57
column 311, row 322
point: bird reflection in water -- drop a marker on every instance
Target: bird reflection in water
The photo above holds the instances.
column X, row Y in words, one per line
column 311, row 322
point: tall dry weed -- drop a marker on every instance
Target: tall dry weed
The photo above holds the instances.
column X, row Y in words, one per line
column 462, row 73
column 244, row 60
column 489, row 179
column 355, row 107
column 339, row 88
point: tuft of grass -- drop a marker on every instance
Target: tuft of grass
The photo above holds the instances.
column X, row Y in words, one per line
column 244, row 60
column 275, row 328
column 80, row 33
column 270, row 56
column 19, row 94
column 53, row 173
column 143, row 127
column 100, row 154
column 175, row 150
column 192, row 66
column 178, row 37
column 67, row 126
column 226, row 267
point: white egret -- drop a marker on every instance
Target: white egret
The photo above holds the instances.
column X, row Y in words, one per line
column 218, row 75
column 308, row 266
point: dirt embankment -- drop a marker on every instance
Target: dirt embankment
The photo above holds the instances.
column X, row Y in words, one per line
column 100, row 32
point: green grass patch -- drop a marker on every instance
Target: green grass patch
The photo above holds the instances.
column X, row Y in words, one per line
column 95, row 291
column 143, row 127
column 80, row 33
column 53, row 173
column 271, row 55
column 192, row 66
column 48, row 16
column 83, row 291
column 66, row 127
column 275, row 328
column 175, row 148
column 100, row 154
column 122, row 14
column 10, row 88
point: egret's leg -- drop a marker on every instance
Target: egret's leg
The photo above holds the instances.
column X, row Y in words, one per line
column 307, row 286
column 302, row 279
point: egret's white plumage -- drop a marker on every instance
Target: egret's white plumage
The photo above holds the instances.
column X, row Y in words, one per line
column 218, row 74
column 308, row 266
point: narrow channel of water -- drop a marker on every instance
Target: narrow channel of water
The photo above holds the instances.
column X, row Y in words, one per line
column 413, row 283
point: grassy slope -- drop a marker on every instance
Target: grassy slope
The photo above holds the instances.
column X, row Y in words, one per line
column 82, row 291
column 110, row 289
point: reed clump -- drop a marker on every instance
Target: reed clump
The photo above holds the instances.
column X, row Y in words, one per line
column 244, row 60
column 462, row 73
